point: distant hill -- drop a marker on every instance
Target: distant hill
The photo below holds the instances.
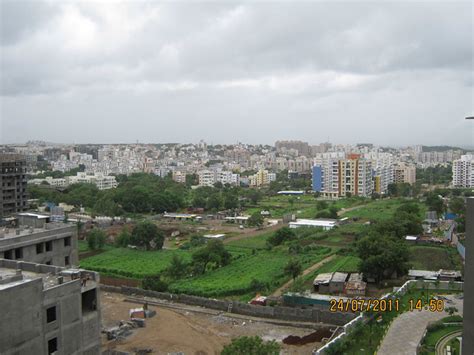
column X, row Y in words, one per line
column 439, row 148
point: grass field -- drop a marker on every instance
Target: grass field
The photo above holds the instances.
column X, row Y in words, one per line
column 304, row 206
column 434, row 258
column 379, row 210
column 257, row 242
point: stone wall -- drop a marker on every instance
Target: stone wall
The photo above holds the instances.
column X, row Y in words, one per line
column 283, row 313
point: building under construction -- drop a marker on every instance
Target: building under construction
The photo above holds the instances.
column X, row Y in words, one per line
column 13, row 197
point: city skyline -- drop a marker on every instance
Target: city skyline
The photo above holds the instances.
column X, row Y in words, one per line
column 392, row 74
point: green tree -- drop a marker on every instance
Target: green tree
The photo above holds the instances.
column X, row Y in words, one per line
column 457, row 206
column 214, row 202
column 293, row 268
column 213, row 254
column 435, row 203
column 256, row 220
column 231, row 201
column 282, row 235
column 251, row 346
column 147, row 235
column 177, row 268
column 382, row 256
column 96, row 239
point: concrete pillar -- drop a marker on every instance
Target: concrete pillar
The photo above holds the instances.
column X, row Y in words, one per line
column 468, row 309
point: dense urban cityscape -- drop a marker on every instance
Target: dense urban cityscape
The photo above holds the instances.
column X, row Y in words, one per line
column 293, row 225
column 236, row 178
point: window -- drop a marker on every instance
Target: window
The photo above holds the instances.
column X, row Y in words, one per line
column 67, row 241
column 8, row 254
column 66, row 261
column 52, row 345
column 18, row 253
column 89, row 301
column 49, row 245
column 51, row 314
column 39, row 248
column 48, row 262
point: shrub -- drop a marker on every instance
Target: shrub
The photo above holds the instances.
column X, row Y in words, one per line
column 154, row 283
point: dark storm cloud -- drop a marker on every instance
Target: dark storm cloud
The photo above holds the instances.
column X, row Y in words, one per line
column 309, row 63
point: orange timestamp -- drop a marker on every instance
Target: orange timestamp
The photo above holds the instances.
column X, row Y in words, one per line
column 432, row 305
column 384, row 305
column 364, row 305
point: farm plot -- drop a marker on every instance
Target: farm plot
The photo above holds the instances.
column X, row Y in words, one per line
column 132, row 263
column 264, row 267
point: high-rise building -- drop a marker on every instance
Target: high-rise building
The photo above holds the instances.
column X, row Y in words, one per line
column 343, row 177
column 13, row 197
column 404, row 173
column 463, row 171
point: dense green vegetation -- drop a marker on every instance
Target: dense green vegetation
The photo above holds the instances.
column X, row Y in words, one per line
column 435, row 175
column 252, row 346
column 263, row 268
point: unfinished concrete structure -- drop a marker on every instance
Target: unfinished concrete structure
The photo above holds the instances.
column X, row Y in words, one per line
column 13, row 197
column 48, row 309
column 35, row 239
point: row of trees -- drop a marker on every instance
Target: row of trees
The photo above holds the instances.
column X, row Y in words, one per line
column 147, row 193
column 145, row 235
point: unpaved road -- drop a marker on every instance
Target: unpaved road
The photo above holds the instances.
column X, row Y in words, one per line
column 192, row 333
column 254, row 233
column 312, row 268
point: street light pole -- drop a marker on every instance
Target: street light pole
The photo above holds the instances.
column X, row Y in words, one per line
column 468, row 307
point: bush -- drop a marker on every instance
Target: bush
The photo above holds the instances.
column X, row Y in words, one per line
column 251, row 346
column 146, row 234
column 154, row 283
column 123, row 239
column 282, row 235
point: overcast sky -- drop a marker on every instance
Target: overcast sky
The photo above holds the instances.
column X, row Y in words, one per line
column 347, row 72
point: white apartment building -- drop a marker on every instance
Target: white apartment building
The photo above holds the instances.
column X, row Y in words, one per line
column 210, row 177
column 103, row 182
column 59, row 182
column 463, row 171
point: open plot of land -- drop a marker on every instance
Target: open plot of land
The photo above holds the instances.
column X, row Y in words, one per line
column 379, row 210
column 434, row 258
column 174, row 330
column 305, row 206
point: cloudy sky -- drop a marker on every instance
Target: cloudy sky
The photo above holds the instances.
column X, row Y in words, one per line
column 347, row 72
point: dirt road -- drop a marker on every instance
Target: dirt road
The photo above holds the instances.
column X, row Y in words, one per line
column 344, row 210
column 255, row 233
column 312, row 268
